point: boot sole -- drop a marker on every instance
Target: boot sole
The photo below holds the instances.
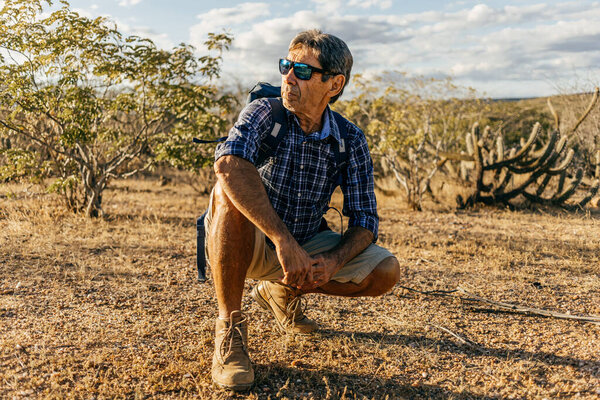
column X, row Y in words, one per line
column 265, row 304
column 235, row 388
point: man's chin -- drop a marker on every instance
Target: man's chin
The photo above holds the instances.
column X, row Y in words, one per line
column 290, row 105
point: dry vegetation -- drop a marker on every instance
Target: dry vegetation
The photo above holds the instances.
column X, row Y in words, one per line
column 109, row 308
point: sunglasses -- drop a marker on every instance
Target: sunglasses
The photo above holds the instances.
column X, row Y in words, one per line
column 302, row 71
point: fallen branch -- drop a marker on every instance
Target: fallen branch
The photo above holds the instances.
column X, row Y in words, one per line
column 527, row 310
column 430, row 292
column 461, row 339
column 506, row 306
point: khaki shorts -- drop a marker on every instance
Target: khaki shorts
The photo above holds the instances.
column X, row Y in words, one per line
column 265, row 265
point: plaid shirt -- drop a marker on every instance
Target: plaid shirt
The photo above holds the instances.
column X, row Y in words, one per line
column 301, row 175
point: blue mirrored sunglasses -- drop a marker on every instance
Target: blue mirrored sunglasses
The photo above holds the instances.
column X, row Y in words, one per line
column 301, row 70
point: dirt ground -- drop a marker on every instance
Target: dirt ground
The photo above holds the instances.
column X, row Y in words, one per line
column 110, row 308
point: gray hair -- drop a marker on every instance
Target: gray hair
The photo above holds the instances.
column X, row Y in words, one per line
column 333, row 54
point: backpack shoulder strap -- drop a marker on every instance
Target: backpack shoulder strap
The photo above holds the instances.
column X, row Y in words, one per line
column 278, row 130
column 340, row 151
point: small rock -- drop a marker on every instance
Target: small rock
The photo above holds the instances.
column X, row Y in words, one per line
column 187, row 376
column 424, row 375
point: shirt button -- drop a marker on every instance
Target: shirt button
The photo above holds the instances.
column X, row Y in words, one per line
column 296, row 220
column 299, row 194
column 302, row 167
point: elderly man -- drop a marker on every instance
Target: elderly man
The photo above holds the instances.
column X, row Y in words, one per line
column 263, row 220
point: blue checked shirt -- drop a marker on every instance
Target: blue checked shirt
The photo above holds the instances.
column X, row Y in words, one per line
column 301, row 175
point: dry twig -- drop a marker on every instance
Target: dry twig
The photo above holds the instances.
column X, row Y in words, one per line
column 527, row 310
column 430, row 292
column 461, row 339
column 506, row 306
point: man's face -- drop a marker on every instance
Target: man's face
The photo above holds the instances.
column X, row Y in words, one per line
column 305, row 97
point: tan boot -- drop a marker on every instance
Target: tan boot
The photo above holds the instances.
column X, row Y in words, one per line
column 285, row 305
column 232, row 368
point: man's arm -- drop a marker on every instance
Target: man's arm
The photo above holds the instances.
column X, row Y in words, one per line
column 354, row 241
column 360, row 205
column 243, row 186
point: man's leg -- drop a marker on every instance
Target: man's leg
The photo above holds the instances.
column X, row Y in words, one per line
column 230, row 243
column 284, row 302
column 230, row 248
column 382, row 279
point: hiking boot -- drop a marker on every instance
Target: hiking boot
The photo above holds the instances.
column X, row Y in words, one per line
column 231, row 367
column 285, row 305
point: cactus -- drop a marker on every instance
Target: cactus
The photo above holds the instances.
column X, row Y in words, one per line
column 493, row 170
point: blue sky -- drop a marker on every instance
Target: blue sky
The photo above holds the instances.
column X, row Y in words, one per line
column 501, row 48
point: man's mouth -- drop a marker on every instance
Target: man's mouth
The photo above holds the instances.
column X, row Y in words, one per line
column 288, row 93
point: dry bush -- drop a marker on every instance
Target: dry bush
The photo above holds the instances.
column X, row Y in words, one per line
column 408, row 121
column 587, row 136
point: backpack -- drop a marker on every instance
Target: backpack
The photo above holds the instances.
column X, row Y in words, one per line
column 278, row 130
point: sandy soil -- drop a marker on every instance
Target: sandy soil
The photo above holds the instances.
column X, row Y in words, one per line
column 110, row 308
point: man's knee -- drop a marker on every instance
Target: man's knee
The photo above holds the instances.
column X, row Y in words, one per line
column 386, row 274
column 226, row 219
column 224, row 206
column 220, row 198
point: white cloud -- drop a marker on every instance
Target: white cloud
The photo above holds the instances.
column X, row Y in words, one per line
column 129, row 3
column 328, row 6
column 161, row 40
column 220, row 19
column 382, row 4
column 523, row 46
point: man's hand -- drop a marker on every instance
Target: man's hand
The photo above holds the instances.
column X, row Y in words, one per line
column 297, row 265
column 326, row 266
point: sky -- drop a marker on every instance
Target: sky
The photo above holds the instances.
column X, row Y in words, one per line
column 515, row 48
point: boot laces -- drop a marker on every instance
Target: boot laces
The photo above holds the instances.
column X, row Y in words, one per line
column 233, row 339
column 294, row 309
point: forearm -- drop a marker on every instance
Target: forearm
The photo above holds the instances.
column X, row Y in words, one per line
column 353, row 242
column 243, row 186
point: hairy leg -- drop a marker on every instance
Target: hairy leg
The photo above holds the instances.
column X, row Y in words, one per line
column 385, row 275
column 230, row 244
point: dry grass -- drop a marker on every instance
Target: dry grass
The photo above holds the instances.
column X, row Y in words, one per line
column 110, row 308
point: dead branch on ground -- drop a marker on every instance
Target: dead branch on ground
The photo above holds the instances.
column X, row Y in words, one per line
column 506, row 306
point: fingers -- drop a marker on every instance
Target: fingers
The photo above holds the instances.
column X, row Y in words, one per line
column 298, row 277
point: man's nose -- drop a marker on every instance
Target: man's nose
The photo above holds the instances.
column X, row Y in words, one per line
column 290, row 77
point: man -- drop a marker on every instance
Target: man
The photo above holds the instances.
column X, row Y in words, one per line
column 263, row 220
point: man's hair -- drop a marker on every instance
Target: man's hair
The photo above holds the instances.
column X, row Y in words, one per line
column 333, row 54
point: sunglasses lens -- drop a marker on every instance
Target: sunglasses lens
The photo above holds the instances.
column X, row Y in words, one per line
column 284, row 66
column 302, row 71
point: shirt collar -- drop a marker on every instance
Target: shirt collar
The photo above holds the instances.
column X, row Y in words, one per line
column 330, row 127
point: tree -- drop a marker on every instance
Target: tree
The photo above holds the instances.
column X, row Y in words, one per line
column 84, row 104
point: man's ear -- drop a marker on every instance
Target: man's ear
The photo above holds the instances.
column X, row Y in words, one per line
column 337, row 84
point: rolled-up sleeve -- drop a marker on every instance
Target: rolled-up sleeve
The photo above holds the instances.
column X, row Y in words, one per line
column 360, row 204
column 246, row 135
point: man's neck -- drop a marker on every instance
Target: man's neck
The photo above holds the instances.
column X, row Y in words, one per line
column 311, row 123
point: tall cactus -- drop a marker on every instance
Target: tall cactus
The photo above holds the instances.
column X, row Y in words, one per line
column 493, row 170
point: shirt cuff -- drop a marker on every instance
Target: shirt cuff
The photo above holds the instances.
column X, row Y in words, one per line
column 232, row 149
column 366, row 221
